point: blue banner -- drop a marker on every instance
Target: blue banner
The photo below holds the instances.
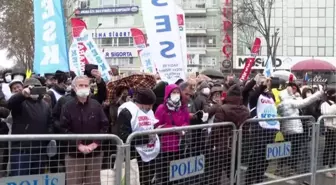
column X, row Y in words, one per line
column 50, row 37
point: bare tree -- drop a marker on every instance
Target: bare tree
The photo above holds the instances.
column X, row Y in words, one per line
column 255, row 16
column 16, row 31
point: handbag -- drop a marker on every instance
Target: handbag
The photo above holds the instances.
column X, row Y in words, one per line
column 108, row 176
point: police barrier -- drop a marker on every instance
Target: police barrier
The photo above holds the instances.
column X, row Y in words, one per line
column 61, row 159
column 196, row 155
column 267, row 155
column 325, row 149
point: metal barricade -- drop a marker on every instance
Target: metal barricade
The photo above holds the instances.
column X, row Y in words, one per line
column 268, row 156
column 61, row 159
column 195, row 155
column 325, row 151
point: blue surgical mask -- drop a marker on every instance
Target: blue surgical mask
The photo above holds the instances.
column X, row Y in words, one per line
column 145, row 110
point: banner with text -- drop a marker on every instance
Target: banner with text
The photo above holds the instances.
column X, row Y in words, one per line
column 74, row 59
column 146, row 61
column 78, row 26
column 164, row 39
column 94, row 55
column 50, row 37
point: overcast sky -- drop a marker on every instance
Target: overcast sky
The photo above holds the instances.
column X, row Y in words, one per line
column 3, row 60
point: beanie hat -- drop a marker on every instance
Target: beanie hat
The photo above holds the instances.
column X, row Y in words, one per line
column 144, row 96
column 61, row 76
column 203, row 85
column 234, row 91
column 31, row 82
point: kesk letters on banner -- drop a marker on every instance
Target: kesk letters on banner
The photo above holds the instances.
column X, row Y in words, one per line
column 146, row 61
column 50, row 40
column 164, row 39
column 74, row 58
column 94, row 55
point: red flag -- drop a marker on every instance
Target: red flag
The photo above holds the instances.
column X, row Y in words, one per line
column 139, row 38
column 78, row 25
column 250, row 61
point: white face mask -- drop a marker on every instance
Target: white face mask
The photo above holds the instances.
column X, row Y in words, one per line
column 83, row 92
column 34, row 96
column 19, row 77
column 206, row 91
column 8, row 78
column 308, row 94
column 175, row 97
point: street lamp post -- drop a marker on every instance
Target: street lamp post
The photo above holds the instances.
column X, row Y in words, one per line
column 96, row 32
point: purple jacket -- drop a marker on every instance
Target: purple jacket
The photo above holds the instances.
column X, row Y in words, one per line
column 169, row 119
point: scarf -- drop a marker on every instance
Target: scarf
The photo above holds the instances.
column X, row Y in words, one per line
column 173, row 106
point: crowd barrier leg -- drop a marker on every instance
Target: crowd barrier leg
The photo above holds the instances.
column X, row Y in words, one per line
column 127, row 163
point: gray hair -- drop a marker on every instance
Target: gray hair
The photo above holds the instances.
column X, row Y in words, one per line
column 74, row 81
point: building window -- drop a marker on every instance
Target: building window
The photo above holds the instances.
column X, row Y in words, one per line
column 211, row 41
column 305, row 51
column 195, row 42
column 124, row 41
column 84, row 4
column 329, row 52
column 321, row 41
column 130, row 62
column 106, row 41
column 321, row 12
column 298, row 32
column 298, row 12
column 298, row 51
column 321, row 32
column 321, row 51
column 313, row 51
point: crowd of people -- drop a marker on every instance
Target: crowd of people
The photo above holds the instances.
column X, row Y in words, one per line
column 77, row 105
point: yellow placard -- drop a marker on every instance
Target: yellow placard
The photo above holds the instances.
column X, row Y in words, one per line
column 279, row 137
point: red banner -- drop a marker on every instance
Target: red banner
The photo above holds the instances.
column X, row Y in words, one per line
column 250, row 61
column 78, row 26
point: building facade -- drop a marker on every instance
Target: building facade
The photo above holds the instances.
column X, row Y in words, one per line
column 109, row 22
column 306, row 29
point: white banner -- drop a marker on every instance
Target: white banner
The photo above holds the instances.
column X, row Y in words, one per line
column 146, row 61
column 74, row 59
column 183, row 36
column 94, row 56
column 164, row 39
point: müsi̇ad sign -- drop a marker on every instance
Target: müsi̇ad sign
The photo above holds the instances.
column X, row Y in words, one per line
column 281, row 62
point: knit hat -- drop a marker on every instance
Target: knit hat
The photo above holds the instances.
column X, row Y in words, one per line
column 203, row 85
column 144, row 96
column 31, row 82
column 61, row 76
column 234, row 91
column 215, row 89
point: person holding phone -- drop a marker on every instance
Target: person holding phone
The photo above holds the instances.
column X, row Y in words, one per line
column 31, row 115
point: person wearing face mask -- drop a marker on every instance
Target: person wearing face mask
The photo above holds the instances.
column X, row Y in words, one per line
column 328, row 107
column 7, row 78
column 30, row 115
column 58, row 89
column 83, row 115
column 293, row 129
column 172, row 113
column 137, row 115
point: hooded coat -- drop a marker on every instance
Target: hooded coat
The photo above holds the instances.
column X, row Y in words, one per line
column 170, row 119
